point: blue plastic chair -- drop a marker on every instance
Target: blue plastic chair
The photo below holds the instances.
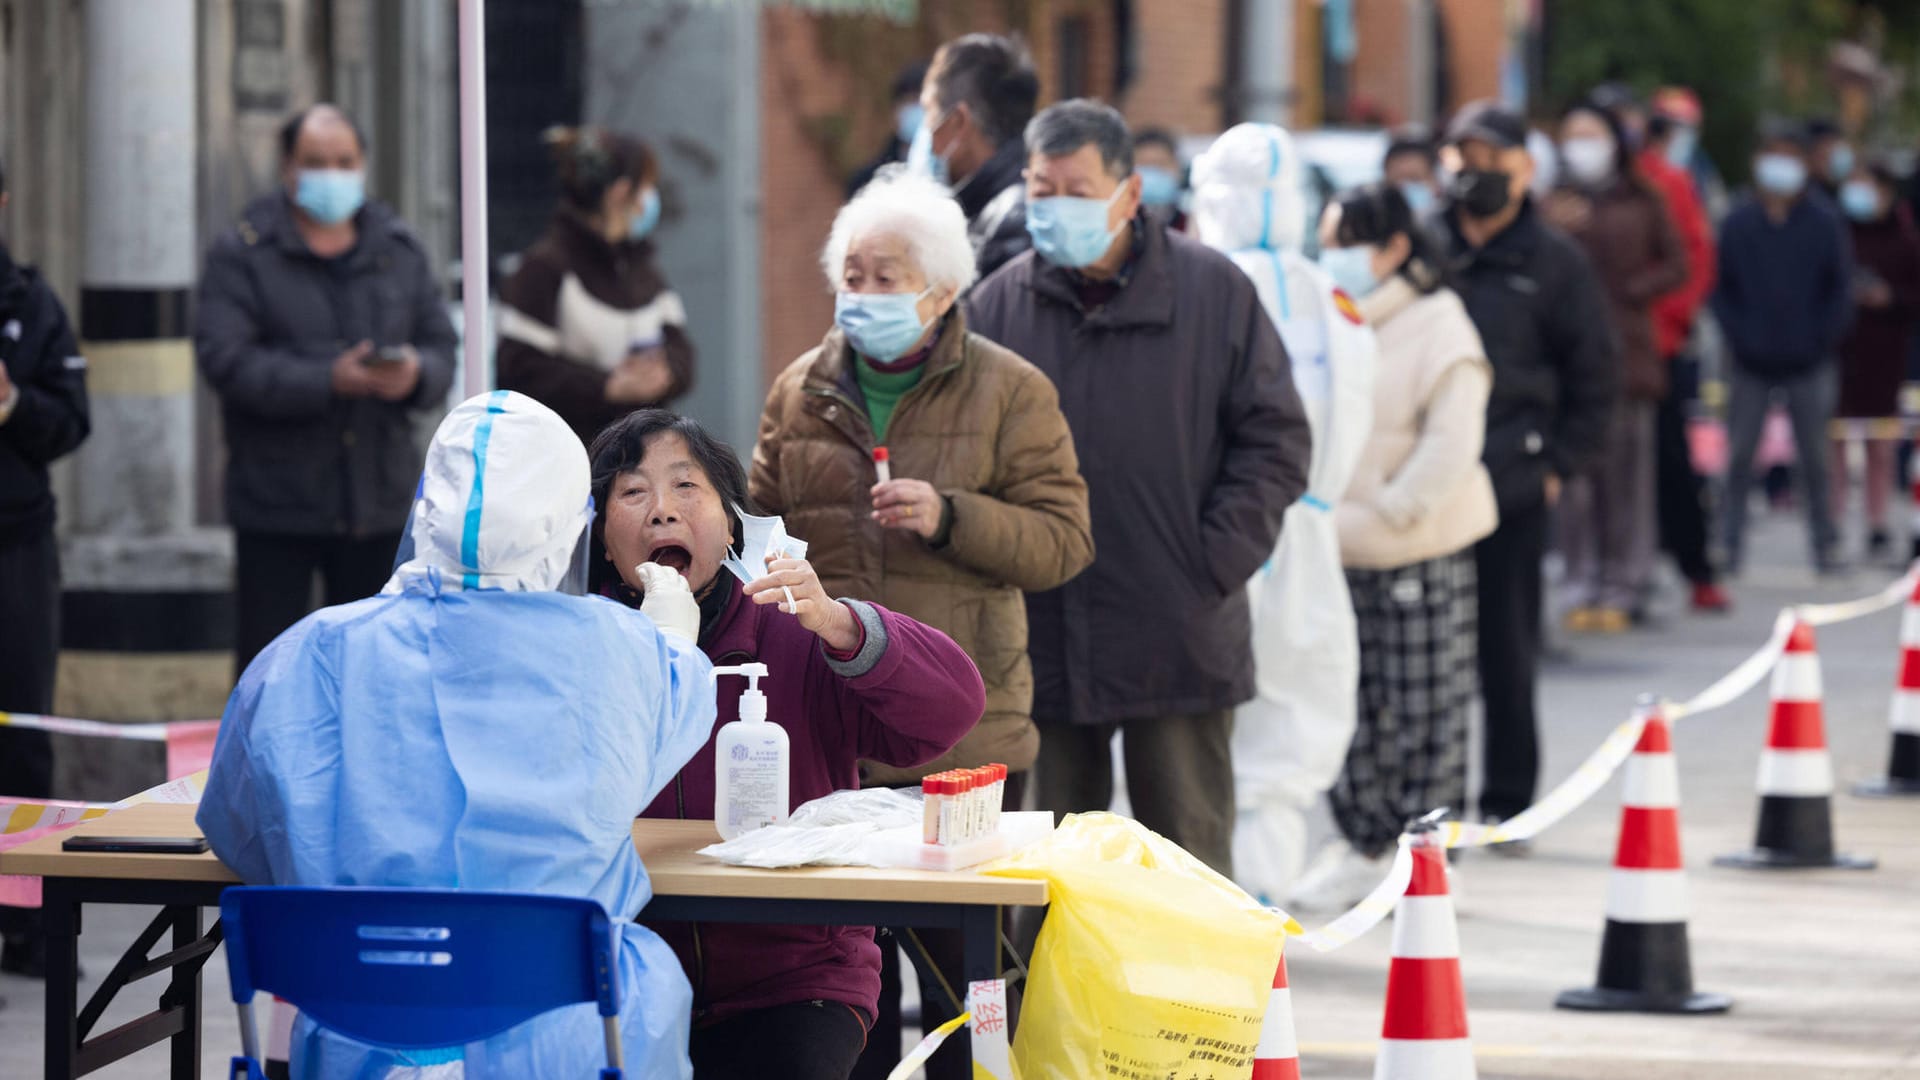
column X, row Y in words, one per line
column 418, row 969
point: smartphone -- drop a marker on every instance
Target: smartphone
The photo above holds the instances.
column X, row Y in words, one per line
column 387, row 354
column 138, row 845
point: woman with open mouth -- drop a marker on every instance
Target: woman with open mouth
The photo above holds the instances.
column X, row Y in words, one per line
column 847, row 679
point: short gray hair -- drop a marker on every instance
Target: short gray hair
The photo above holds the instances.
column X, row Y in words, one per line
column 1061, row 130
column 917, row 210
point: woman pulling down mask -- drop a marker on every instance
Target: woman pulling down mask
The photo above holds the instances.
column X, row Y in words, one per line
column 847, row 679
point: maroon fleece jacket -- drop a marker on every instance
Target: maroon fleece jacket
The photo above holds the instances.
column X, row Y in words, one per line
column 904, row 699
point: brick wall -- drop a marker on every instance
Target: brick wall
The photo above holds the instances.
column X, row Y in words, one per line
column 1380, row 77
column 799, row 191
column 1181, row 65
column 1476, row 37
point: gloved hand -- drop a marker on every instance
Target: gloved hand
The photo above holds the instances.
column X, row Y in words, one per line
column 669, row 601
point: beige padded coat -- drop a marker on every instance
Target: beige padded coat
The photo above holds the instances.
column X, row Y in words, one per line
column 984, row 427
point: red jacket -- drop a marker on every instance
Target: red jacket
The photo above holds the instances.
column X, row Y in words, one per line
column 1673, row 313
column 913, row 697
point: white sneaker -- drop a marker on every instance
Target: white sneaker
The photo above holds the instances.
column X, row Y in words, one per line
column 1339, row 878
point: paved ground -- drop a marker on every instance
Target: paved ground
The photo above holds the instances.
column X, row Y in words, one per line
column 1822, row 965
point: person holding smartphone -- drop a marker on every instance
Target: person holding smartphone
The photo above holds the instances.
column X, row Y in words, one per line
column 589, row 326
column 322, row 329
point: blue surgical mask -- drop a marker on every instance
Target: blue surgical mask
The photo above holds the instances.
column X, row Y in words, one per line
column 1839, row 162
column 1780, row 174
column 1860, row 199
column 331, row 196
column 921, row 160
column 1158, row 186
column 642, row 224
column 1351, row 268
column 1419, row 197
column 1680, row 147
column 1069, row 231
column 908, row 119
column 882, row 326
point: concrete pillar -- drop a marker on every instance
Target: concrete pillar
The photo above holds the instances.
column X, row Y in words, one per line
column 147, row 614
column 1266, row 61
column 1421, row 21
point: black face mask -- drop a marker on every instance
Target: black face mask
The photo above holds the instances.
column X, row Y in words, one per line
column 1481, row 193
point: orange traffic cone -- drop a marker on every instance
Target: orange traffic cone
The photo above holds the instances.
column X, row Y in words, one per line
column 1424, row 1035
column 1644, row 963
column 1903, row 765
column 1278, row 1056
column 1796, row 776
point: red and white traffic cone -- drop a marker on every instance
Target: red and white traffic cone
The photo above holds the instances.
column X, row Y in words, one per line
column 1903, row 764
column 1424, row 1035
column 1278, row 1055
column 1644, row 962
column 1796, row 775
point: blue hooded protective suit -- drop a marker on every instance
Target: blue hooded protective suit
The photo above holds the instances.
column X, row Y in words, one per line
column 470, row 727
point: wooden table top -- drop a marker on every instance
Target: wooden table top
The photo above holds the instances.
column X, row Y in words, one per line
column 668, row 849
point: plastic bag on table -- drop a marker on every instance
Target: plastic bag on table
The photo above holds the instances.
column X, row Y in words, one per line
column 1149, row 963
column 834, row 830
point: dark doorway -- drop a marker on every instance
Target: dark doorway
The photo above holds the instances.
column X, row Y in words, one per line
column 535, row 79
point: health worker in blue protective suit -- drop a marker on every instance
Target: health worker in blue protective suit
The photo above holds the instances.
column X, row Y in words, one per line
column 472, row 727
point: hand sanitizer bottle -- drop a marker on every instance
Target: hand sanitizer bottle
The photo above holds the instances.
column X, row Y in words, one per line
column 750, row 762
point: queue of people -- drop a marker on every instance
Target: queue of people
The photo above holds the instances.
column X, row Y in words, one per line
column 1273, row 523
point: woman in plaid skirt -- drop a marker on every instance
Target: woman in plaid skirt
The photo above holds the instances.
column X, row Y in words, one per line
column 1418, row 502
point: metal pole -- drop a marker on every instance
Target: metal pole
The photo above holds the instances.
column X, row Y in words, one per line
column 473, row 193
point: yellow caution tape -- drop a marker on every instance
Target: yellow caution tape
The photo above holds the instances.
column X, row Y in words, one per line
column 918, row 1055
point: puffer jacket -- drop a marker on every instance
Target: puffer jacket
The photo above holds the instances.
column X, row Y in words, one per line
column 1639, row 257
column 984, row 427
column 271, row 318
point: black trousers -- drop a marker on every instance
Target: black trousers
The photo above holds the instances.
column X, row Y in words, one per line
column 29, row 654
column 809, row 1040
column 1509, row 568
column 274, row 580
column 1682, row 492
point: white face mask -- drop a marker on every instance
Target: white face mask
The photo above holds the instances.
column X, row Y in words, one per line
column 761, row 537
column 1589, row 158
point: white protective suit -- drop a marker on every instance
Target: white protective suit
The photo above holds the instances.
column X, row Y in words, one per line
column 471, row 728
column 1290, row 741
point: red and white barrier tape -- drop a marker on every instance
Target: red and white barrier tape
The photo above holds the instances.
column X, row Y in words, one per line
column 1600, row 765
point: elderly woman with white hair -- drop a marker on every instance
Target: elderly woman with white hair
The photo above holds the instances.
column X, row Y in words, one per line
column 985, row 499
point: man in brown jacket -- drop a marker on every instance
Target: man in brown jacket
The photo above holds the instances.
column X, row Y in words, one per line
column 1193, row 442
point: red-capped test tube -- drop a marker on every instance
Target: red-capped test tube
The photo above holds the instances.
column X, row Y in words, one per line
column 932, row 795
column 881, row 466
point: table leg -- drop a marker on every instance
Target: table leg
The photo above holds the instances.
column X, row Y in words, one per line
column 185, row 992
column 980, row 948
column 60, row 914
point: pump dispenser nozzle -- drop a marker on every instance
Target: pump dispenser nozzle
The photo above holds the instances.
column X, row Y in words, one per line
column 753, row 703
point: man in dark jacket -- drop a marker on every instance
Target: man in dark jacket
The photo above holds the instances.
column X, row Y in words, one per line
column 1193, row 443
column 322, row 329
column 1542, row 315
column 1784, row 301
column 43, row 416
column 977, row 99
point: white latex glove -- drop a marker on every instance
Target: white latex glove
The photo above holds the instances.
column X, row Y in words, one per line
column 669, row 601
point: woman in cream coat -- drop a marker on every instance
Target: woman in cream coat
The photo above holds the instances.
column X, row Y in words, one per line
column 1418, row 501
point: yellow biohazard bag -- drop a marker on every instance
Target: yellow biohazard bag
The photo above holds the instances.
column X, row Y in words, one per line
column 1149, row 964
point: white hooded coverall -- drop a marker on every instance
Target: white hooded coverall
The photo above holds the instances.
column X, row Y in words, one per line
column 1290, row 741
